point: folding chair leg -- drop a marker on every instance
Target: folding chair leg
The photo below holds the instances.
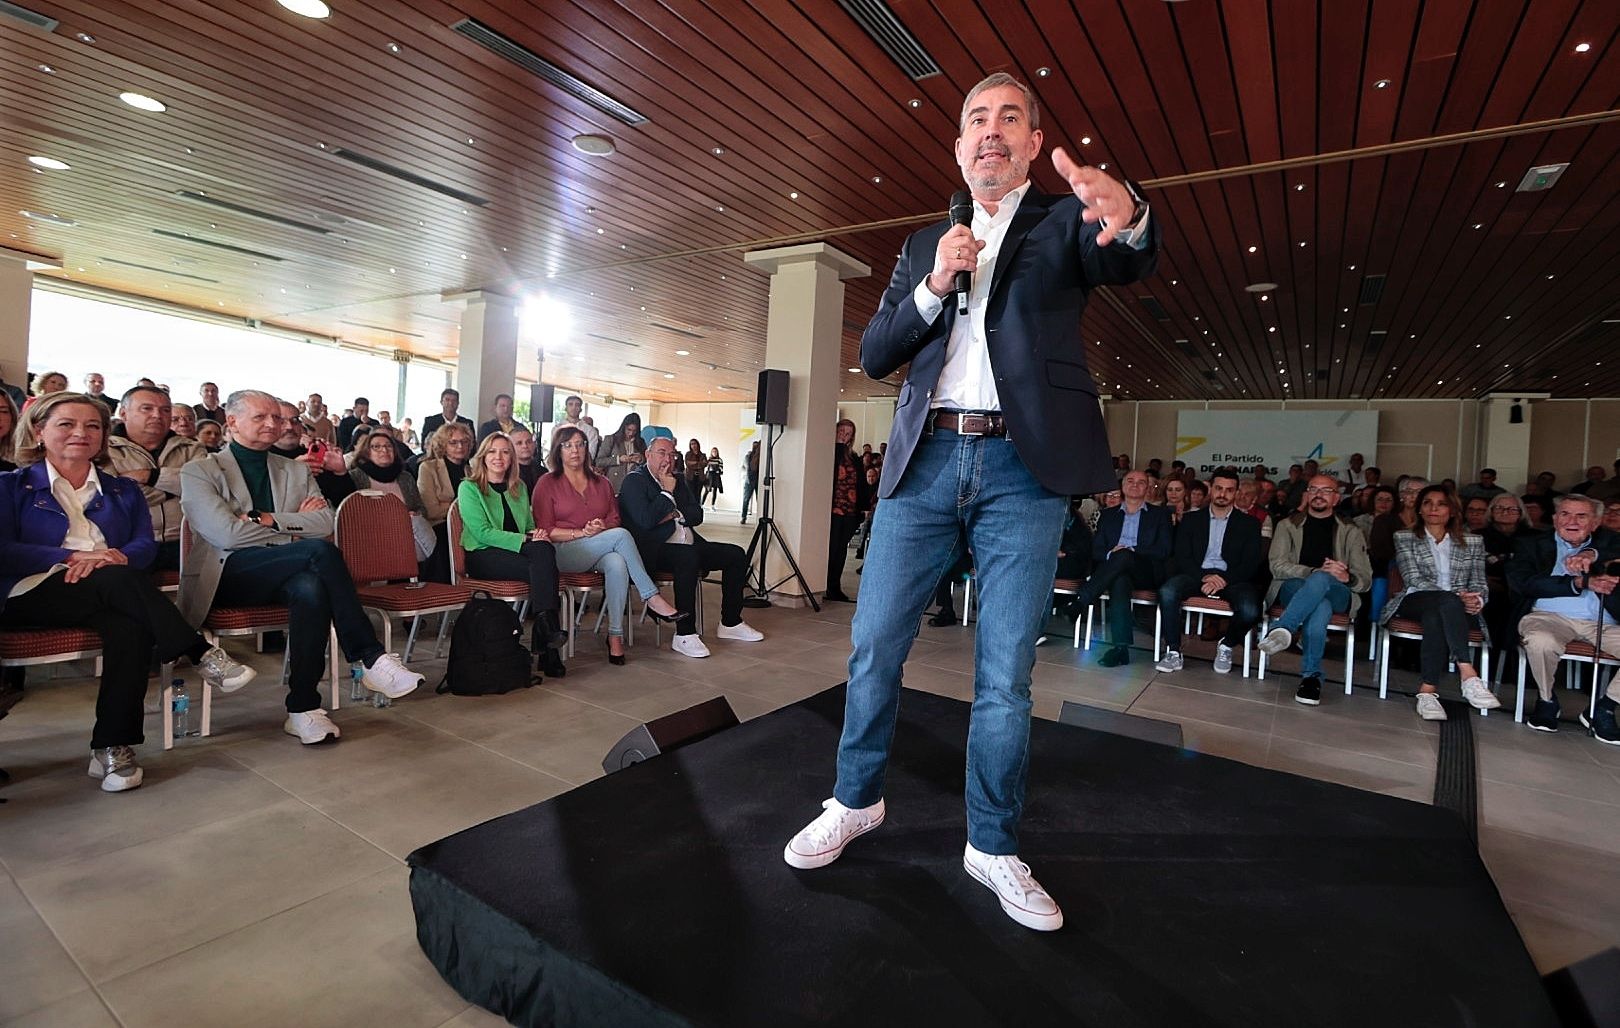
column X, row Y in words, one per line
column 1485, row 671
column 1383, row 664
column 1518, row 706
column 1349, row 656
column 167, row 701
column 334, row 655
column 438, row 644
column 410, row 640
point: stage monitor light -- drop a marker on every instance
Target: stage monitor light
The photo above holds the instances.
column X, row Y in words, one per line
column 545, row 319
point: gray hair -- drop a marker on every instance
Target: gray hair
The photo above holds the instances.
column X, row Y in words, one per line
column 237, row 402
column 992, row 81
column 1596, row 506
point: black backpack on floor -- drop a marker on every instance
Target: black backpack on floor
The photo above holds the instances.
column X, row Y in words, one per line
column 486, row 651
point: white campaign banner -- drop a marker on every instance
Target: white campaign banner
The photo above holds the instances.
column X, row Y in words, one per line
column 1208, row 439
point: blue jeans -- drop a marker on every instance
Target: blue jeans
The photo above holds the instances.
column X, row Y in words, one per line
column 1308, row 605
column 612, row 552
column 955, row 488
column 748, row 496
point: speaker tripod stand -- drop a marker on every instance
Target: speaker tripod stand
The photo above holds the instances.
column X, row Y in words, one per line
column 764, row 531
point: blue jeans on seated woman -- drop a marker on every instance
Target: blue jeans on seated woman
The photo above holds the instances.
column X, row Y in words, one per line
column 956, row 488
column 612, row 552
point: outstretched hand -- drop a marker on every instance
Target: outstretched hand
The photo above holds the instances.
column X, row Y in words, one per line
column 1105, row 198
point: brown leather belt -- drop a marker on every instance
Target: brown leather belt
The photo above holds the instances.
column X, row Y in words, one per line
column 970, row 424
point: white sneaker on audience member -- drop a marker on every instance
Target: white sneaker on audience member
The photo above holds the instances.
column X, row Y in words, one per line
column 116, row 767
column 742, row 631
column 1223, row 659
column 822, row 841
column 1429, row 708
column 1022, row 897
column 390, row 677
column 689, row 646
column 218, row 669
column 1170, row 663
column 1475, row 691
column 1276, row 640
column 311, row 726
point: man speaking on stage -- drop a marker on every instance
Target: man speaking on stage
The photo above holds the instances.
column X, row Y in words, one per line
column 997, row 424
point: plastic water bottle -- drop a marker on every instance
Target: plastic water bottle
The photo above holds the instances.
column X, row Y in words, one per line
column 357, row 691
column 379, row 700
column 180, row 705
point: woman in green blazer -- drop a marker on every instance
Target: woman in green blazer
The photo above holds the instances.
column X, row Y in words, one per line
column 498, row 533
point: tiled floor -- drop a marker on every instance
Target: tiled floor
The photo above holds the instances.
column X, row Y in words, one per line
column 254, row 881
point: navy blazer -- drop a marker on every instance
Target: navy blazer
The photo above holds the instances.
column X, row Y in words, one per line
column 1241, row 547
column 33, row 524
column 643, row 506
column 1530, row 577
column 1153, row 532
column 1048, row 263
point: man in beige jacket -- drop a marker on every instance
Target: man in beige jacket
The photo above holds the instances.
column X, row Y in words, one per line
column 151, row 454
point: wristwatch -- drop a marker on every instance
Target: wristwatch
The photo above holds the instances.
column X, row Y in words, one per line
column 1140, row 208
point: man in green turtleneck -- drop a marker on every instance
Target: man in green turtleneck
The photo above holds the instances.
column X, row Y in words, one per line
column 261, row 534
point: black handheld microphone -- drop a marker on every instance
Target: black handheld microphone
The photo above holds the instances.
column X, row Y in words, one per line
column 962, row 214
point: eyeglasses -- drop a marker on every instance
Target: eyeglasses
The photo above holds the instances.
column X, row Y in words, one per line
column 1320, row 490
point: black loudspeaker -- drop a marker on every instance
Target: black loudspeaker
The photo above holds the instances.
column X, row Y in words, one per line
column 1147, row 729
column 1587, row 994
column 671, row 731
column 541, row 397
column 770, row 399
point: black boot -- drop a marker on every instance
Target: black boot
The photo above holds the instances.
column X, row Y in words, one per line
column 551, row 663
column 548, row 633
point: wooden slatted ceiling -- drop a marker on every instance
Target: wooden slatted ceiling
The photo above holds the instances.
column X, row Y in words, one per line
column 800, row 99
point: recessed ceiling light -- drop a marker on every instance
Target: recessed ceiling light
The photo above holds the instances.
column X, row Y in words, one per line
column 854, row 371
column 1478, row 225
column 84, row 37
column 1252, row 249
column 793, row 195
column 1260, row 287
column 46, row 68
column 1041, row 73
column 392, row 48
column 719, row 151
column 53, row 164
column 307, row 8
column 1085, row 140
column 667, row 374
column 914, row 103
column 53, row 219
column 1501, row 185
column 595, row 146
column 143, row 102
column 1381, row 84
column 876, row 179
column 720, row 207
column 683, row 353
column 1103, row 165
column 1581, row 48
column 1299, row 187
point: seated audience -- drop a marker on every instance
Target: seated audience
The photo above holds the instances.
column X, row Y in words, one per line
column 183, row 420
column 1319, row 568
column 1175, row 500
column 502, row 421
column 46, row 384
column 524, row 447
column 1611, row 515
column 662, row 514
column 1354, row 473
column 438, row 477
column 1508, row 525
column 377, row 467
column 1563, row 581
column 1381, row 538
column 1443, row 587
column 1594, row 475
column 1380, row 500
column 1197, row 495
column 1540, row 492
column 1130, row 550
column 261, row 534
column 8, row 424
column 211, row 434
column 572, row 408
column 619, row 453
column 449, row 412
column 331, row 475
column 150, row 454
column 407, row 434
column 499, row 534
column 316, row 424
column 358, row 415
column 1217, row 553
column 76, row 544
column 210, row 407
column 1485, row 488
column 95, row 387
column 576, row 508
column 1477, row 514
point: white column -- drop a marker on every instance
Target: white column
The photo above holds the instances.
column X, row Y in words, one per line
column 804, row 337
column 486, row 364
column 1507, row 445
column 16, row 306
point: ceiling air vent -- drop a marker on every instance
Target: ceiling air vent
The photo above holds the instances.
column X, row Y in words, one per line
column 1154, row 307
column 244, row 251
column 409, row 176
column 534, row 64
column 27, row 17
column 1372, row 290
column 1375, row 339
column 160, row 271
column 247, row 212
column 1187, row 348
column 678, row 331
column 612, row 339
column 1539, row 178
column 891, row 37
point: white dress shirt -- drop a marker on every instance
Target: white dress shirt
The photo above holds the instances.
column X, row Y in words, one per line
column 967, row 382
column 1441, row 550
column 82, row 533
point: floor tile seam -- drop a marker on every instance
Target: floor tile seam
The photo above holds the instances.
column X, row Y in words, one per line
column 78, row 965
column 1315, row 745
column 1549, row 792
column 1590, row 852
column 1277, row 732
column 1514, row 901
column 233, row 931
column 1205, row 692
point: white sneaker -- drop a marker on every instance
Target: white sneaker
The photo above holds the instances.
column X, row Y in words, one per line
column 1022, row 897
column 1170, row 662
column 1429, row 708
column 742, row 631
column 116, row 767
column 390, row 677
column 1475, row 691
column 311, row 727
column 689, row 646
column 822, row 841
column 1276, row 640
column 1223, row 659
column 219, row 670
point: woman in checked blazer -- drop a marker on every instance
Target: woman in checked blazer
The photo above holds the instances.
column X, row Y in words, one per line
column 1443, row 573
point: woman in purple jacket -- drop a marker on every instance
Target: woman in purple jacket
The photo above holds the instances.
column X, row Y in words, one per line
column 75, row 544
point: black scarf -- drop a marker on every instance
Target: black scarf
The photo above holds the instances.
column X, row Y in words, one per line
column 379, row 474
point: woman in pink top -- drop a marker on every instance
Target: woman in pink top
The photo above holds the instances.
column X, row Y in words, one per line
column 575, row 507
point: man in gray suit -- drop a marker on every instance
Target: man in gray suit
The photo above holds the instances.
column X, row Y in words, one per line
column 261, row 534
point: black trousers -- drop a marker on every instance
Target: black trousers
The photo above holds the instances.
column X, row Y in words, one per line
column 844, row 527
column 1243, row 596
column 1445, row 631
column 535, row 563
column 688, row 563
column 311, row 580
column 1123, row 572
column 133, row 619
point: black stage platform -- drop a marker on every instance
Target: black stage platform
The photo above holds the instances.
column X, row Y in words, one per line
column 1196, row 890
